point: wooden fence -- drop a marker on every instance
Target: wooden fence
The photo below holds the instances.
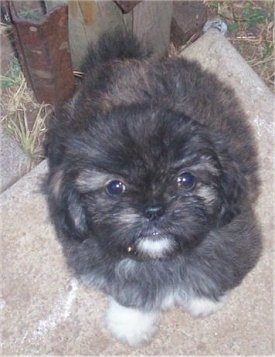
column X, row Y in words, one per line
column 148, row 20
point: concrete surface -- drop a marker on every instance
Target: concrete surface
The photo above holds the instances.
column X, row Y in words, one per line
column 13, row 162
column 46, row 311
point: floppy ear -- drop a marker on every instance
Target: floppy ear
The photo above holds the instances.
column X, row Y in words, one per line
column 233, row 189
column 65, row 203
column 66, row 206
column 57, row 134
column 53, row 148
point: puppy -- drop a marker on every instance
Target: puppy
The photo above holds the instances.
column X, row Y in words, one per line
column 151, row 185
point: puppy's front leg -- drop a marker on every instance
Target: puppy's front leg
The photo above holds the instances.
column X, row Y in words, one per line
column 130, row 325
column 202, row 306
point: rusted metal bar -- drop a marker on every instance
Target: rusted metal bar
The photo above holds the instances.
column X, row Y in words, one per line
column 44, row 53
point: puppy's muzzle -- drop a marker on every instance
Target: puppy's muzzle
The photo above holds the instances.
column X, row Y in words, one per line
column 152, row 245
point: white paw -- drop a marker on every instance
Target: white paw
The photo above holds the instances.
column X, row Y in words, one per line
column 199, row 306
column 129, row 325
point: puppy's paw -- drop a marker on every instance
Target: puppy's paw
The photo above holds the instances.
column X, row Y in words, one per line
column 201, row 306
column 129, row 325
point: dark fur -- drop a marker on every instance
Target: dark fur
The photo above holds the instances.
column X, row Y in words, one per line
column 145, row 123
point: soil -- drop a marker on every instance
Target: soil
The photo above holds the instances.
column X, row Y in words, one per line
column 250, row 29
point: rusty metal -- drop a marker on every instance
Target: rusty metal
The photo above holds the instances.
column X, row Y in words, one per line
column 44, row 53
column 127, row 6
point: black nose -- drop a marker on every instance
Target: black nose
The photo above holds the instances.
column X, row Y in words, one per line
column 153, row 211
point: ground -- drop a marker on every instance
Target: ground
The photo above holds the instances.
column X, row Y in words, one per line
column 250, row 29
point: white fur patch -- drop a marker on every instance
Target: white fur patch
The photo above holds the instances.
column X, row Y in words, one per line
column 202, row 306
column 129, row 325
column 155, row 248
column 169, row 301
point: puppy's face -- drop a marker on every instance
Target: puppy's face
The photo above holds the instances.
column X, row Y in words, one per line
column 144, row 184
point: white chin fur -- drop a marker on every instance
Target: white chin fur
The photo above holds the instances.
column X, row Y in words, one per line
column 129, row 325
column 155, row 248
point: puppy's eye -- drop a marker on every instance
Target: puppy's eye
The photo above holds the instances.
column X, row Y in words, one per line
column 115, row 187
column 186, row 180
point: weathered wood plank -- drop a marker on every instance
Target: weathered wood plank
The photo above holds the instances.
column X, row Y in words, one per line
column 88, row 20
column 151, row 24
column 127, row 6
column 149, row 20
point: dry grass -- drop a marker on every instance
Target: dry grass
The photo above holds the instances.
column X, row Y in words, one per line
column 251, row 31
column 24, row 119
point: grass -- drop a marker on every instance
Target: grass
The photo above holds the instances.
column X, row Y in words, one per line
column 13, row 77
column 25, row 12
column 253, row 16
column 251, row 31
column 22, row 117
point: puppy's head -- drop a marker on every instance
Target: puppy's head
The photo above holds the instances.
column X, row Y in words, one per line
column 143, row 183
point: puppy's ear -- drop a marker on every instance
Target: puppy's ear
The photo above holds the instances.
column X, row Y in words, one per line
column 57, row 134
column 233, row 189
column 53, row 148
column 67, row 207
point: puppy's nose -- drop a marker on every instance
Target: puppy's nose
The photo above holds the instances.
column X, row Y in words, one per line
column 153, row 211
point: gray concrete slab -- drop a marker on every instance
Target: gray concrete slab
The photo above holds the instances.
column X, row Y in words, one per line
column 46, row 311
column 13, row 162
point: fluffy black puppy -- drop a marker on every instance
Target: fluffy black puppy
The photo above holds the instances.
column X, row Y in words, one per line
column 152, row 178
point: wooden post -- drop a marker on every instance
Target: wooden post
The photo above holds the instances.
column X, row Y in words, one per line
column 88, row 20
column 151, row 24
column 149, row 20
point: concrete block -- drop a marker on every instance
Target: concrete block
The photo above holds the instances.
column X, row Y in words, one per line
column 46, row 311
column 13, row 162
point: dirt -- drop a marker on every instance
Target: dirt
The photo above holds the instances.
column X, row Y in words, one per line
column 250, row 29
